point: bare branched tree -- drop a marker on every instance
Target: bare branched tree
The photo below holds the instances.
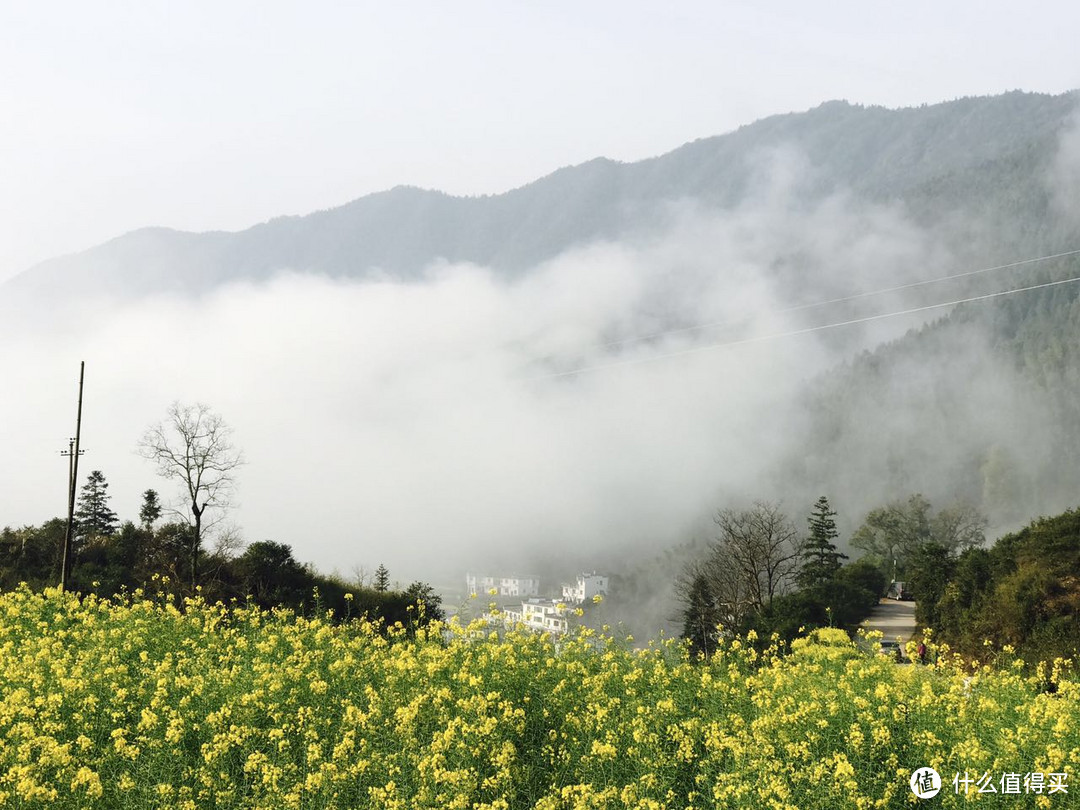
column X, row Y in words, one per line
column 360, row 576
column 729, row 593
column 193, row 446
column 229, row 542
column 752, row 560
column 760, row 548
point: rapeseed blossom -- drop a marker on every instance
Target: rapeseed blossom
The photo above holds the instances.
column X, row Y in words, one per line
column 139, row 703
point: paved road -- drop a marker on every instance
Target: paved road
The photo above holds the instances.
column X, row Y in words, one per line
column 893, row 619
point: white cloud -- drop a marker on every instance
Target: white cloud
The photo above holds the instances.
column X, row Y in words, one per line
column 424, row 424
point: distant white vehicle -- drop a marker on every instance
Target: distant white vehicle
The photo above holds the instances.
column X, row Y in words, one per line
column 899, row 592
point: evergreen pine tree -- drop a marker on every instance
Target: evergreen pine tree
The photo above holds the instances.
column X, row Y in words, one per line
column 93, row 515
column 700, row 617
column 382, row 578
column 820, row 559
column 151, row 509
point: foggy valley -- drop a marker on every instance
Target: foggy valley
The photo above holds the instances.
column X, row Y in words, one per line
column 597, row 405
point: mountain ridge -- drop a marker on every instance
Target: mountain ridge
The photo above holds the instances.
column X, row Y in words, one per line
column 875, row 152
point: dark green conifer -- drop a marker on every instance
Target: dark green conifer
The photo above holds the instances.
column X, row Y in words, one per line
column 700, row 617
column 382, row 578
column 93, row 515
column 820, row 558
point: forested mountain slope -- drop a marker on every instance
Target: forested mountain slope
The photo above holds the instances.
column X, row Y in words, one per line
column 982, row 404
column 975, row 164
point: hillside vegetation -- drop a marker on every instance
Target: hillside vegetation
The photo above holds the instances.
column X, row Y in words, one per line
column 979, row 406
column 1023, row 591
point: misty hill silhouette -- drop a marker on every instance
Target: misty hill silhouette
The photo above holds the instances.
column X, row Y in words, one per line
column 983, row 157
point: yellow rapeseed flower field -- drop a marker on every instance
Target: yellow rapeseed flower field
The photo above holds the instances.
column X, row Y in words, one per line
column 136, row 703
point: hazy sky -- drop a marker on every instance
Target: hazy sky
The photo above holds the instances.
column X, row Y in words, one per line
column 203, row 115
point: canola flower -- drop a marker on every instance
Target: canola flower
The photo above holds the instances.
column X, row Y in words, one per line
column 134, row 703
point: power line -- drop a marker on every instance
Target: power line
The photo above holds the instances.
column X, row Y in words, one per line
column 795, row 332
column 843, row 299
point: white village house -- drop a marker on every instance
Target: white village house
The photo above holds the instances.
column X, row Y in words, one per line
column 503, row 586
column 539, row 614
column 587, row 586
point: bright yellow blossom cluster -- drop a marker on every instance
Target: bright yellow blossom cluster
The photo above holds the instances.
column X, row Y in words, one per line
column 139, row 703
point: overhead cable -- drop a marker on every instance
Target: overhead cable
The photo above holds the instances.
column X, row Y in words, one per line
column 796, row 332
column 842, row 299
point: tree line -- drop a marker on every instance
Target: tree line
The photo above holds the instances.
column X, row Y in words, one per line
column 113, row 556
column 760, row 573
column 1023, row 591
column 193, row 449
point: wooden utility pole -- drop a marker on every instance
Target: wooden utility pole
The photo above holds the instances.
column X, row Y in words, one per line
column 71, row 455
column 73, row 475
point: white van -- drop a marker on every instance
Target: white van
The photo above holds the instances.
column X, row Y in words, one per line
column 899, row 592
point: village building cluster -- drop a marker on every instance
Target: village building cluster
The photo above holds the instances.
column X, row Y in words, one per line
column 546, row 614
